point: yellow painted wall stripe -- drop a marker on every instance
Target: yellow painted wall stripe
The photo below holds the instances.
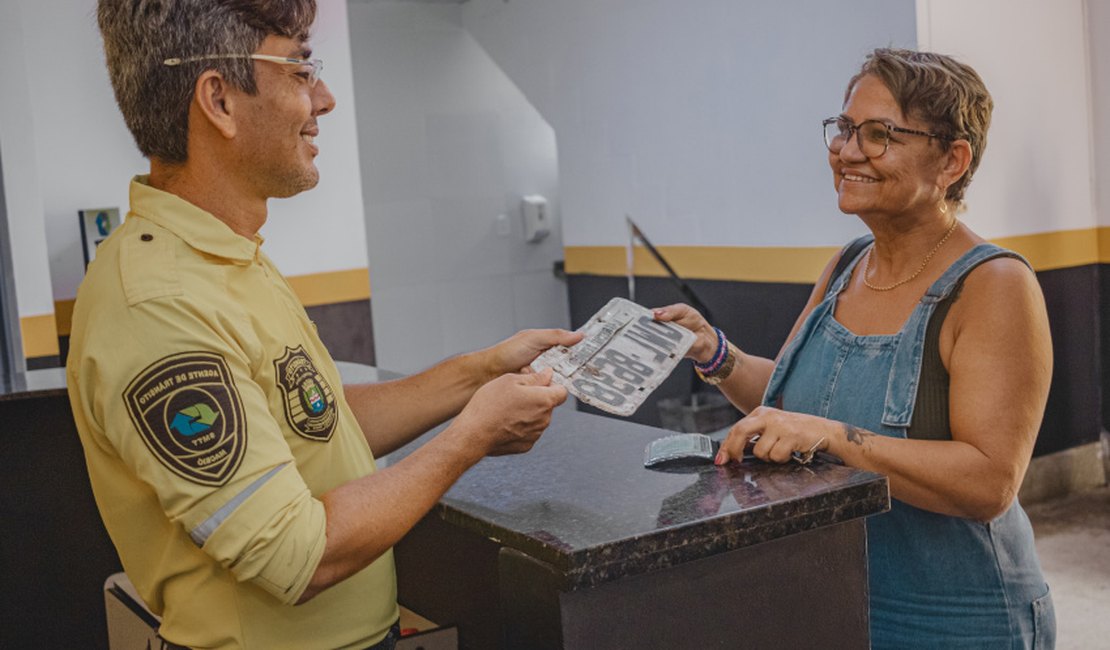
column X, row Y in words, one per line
column 1062, row 249
column 63, row 316
column 40, row 333
column 744, row 263
column 40, row 337
column 332, row 287
column 1045, row 251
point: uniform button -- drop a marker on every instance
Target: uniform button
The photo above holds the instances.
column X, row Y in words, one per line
column 147, row 237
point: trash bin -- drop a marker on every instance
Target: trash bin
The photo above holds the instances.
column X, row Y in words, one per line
column 700, row 413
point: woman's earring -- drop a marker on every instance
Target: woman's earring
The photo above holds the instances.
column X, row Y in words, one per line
column 943, row 206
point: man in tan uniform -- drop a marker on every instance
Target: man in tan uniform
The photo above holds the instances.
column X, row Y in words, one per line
column 234, row 471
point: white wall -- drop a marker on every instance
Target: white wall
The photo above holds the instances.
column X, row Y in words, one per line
column 700, row 119
column 448, row 144
column 1037, row 173
column 66, row 148
column 323, row 230
column 1098, row 42
column 21, row 183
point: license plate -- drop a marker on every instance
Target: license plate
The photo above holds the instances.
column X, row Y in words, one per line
column 625, row 355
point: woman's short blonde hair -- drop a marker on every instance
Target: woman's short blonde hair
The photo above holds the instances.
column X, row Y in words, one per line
column 938, row 90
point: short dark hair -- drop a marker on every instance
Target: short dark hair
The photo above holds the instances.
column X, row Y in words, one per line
column 940, row 91
column 140, row 34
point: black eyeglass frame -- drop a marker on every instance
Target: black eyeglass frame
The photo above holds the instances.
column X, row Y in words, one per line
column 853, row 129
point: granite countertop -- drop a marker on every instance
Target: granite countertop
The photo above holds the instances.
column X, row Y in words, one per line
column 583, row 502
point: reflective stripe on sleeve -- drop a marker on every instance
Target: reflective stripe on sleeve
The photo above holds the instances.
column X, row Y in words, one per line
column 201, row 533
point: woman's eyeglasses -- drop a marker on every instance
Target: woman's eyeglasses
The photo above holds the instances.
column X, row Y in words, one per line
column 872, row 136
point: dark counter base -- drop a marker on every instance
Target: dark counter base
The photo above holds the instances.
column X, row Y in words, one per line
column 799, row 591
column 54, row 552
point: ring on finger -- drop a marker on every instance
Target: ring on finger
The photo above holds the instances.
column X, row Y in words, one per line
column 806, row 457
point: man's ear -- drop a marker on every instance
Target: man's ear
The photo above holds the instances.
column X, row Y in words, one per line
column 214, row 98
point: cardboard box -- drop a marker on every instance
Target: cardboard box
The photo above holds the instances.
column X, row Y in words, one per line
column 131, row 626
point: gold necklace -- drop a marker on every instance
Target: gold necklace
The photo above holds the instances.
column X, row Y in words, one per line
column 924, row 262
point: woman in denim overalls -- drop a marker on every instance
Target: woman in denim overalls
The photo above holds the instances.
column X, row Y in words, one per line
column 923, row 354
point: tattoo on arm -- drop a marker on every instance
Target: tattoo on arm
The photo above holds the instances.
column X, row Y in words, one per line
column 855, row 435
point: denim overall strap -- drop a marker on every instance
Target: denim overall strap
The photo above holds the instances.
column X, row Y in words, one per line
column 860, row 245
column 782, row 369
column 905, row 373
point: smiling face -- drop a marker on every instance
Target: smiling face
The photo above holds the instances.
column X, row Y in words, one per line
column 908, row 178
column 276, row 140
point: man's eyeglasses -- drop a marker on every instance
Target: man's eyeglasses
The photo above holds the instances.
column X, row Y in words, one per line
column 872, row 136
column 315, row 66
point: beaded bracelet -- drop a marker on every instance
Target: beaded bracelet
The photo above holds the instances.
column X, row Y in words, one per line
column 720, row 374
column 714, row 364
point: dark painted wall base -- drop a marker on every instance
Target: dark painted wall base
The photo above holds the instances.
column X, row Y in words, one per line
column 347, row 329
column 1073, row 415
column 759, row 316
column 1104, row 339
column 40, row 363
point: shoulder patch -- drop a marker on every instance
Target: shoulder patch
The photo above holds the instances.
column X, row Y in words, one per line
column 309, row 401
column 188, row 411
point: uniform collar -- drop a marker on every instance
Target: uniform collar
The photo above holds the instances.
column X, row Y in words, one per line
column 194, row 226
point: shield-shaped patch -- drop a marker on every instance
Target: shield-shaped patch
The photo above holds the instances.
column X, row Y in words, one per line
column 309, row 401
column 188, row 411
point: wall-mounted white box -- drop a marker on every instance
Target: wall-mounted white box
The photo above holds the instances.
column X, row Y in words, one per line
column 534, row 209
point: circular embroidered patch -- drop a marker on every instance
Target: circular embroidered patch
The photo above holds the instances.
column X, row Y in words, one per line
column 309, row 401
column 189, row 414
